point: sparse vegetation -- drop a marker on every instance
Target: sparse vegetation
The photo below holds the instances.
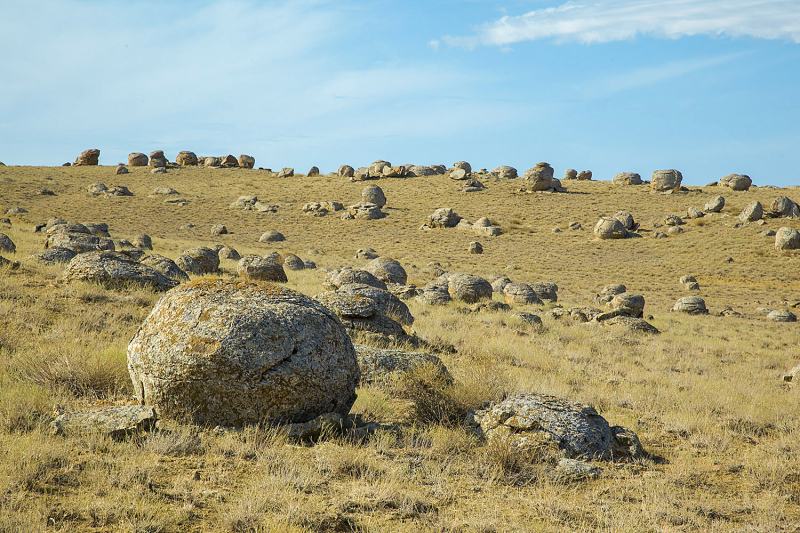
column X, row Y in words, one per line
column 705, row 396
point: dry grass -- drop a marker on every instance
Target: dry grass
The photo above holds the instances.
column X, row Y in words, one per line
column 705, row 397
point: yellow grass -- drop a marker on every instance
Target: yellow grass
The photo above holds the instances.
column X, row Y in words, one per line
column 705, row 397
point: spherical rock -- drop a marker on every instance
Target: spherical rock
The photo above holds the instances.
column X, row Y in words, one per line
column 346, row 171
column 754, row 211
column 292, row 262
column 570, row 174
column 189, row 264
column 226, row 252
column 520, row 293
column 737, row 182
column 167, row 266
column 271, row 236
column 628, row 304
column 787, row 239
column 137, row 159
column 230, row 353
column 348, row 276
column 374, row 195
column 666, row 180
column 627, row 178
column 253, row 267
column 610, row 228
column 693, row 305
column 387, row 270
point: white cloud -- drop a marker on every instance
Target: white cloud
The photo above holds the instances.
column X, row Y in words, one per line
column 601, row 21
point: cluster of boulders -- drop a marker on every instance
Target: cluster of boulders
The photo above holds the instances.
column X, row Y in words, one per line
column 320, row 209
column 524, row 293
column 620, row 226
column 96, row 189
column 252, row 203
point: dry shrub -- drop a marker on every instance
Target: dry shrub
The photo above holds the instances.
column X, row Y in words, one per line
column 23, row 406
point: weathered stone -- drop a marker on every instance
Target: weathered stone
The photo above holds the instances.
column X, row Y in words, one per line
column 157, row 159
column 360, row 174
column 364, row 211
column 737, row 182
column 532, row 319
column 186, row 158
column 233, row 353
column 387, row 270
column 219, row 229
column 96, row 188
column 380, row 367
column 631, row 323
column 627, row 178
column 666, row 180
column 121, row 169
column 458, row 174
column 349, row 275
column 366, row 253
column 783, row 207
column 463, row 165
column 54, row 255
column 570, row 174
column 116, row 422
column 137, row 159
column 693, row 213
column 385, row 303
column 88, row 157
column 77, row 238
column 374, row 195
column 293, row 262
column 346, row 171
column 230, row 161
column 547, row 291
column 520, row 293
column 286, row 172
column 752, row 212
column 443, row 218
column 376, row 168
column 167, row 266
column 628, row 304
column 6, row 244
column 626, row 219
column 534, row 420
column 165, row 191
column 584, row 175
column 143, row 242
column 782, row 315
column 467, row 288
column 693, row 305
column 272, row 236
column 115, row 270
column 539, row 178
column 212, row 162
column 208, row 258
column 505, row 172
column 246, row 161
column 610, row 228
column 226, row 252
column 253, row 267
column 420, row 171
column 475, row 248
column 787, row 239
column 500, row 283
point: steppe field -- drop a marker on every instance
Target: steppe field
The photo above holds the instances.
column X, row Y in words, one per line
column 706, row 396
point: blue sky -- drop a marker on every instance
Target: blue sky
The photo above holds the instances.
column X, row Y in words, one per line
column 707, row 87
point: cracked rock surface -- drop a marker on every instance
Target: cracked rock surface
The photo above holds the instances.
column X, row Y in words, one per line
column 229, row 352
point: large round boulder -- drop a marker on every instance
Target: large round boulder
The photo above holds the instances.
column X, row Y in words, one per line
column 520, row 293
column 468, row 288
column 115, row 270
column 346, row 171
column 223, row 352
column 350, row 275
column 387, row 270
column 186, row 158
column 737, row 182
column 208, row 258
column 783, row 207
column 374, row 195
column 787, row 239
column 539, row 178
column 257, row 268
column 693, row 305
column 246, row 161
column 137, row 159
column 166, row 266
column 610, row 228
column 666, row 180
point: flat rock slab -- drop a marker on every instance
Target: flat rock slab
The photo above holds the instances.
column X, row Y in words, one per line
column 379, row 366
column 115, row 422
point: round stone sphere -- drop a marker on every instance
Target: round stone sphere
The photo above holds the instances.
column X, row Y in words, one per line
column 231, row 352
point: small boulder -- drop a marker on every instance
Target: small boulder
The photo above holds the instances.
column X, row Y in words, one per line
column 293, row 262
column 143, row 242
column 443, row 218
column 520, row 293
column 118, row 422
column 88, row 157
column 666, row 180
column 475, row 248
column 693, row 213
column 539, row 178
column 387, row 270
column 463, row 165
column 226, row 252
column 54, row 255
column 782, row 315
column 380, row 367
column 787, row 239
column 137, row 159
column 167, row 266
column 253, row 267
column 157, row 159
column 626, row 219
column 374, row 195
column 627, row 178
column 346, row 171
column 467, row 288
column 313, row 172
column 364, row 211
column 737, row 182
column 286, row 172
column 246, row 161
column 505, row 172
column 570, row 174
column 186, row 158
column 349, row 276
column 115, row 270
column 783, row 207
column 714, row 205
column 584, row 175
column 121, row 169
column 610, row 228
column 271, row 236
column 208, row 258
column 752, row 212
column 6, row 244
column 693, row 305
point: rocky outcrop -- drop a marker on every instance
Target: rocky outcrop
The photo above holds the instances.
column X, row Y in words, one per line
column 233, row 353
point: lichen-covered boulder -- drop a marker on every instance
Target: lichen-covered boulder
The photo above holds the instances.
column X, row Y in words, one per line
column 714, row 205
column 115, row 270
column 752, row 212
column 547, row 291
column 782, row 315
column 76, row 237
column 293, row 262
column 116, row 422
column 610, row 228
column 539, row 178
column 232, row 353
column 6, row 244
column 666, row 180
column 166, row 266
column 520, row 293
column 443, row 218
column 626, row 219
column 226, row 252
column 381, row 366
column 467, row 288
column 737, row 182
column 53, row 255
column 373, row 194
column 387, row 270
column 253, row 267
column 348, row 275
column 627, row 178
column 208, row 258
column 536, row 420
column 787, row 239
column 783, row 207
column 692, row 305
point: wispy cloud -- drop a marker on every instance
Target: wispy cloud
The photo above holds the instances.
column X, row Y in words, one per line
column 601, row 21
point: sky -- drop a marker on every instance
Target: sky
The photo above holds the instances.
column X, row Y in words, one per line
column 709, row 87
